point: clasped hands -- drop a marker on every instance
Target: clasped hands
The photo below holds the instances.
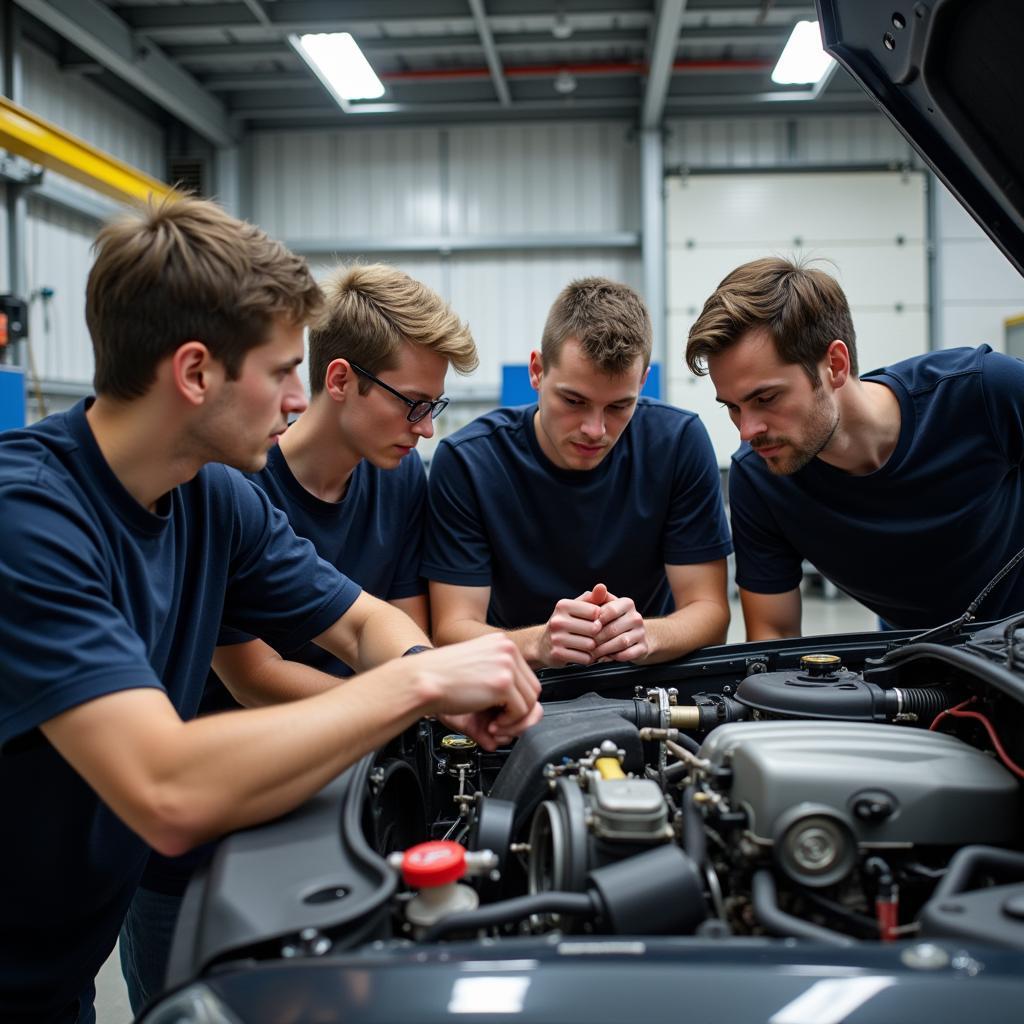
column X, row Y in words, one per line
column 596, row 626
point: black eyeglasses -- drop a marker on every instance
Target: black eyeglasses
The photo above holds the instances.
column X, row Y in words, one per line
column 418, row 408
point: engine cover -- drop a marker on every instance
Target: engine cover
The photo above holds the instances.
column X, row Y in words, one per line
column 890, row 784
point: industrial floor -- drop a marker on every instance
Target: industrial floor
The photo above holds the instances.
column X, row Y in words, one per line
column 836, row 615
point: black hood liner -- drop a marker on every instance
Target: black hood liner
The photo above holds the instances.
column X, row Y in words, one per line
column 950, row 75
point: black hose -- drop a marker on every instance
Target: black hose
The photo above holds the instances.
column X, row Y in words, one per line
column 578, row 904
column 688, row 743
column 996, row 676
column 966, row 862
column 777, row 921
column 924, row 701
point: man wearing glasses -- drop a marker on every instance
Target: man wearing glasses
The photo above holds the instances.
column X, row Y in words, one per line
column 589, row 526
column 347, row 476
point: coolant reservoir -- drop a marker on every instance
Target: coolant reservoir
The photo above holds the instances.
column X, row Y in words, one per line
column 435, row 868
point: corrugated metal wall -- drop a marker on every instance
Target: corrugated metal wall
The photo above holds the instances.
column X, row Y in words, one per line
column 71, row 101
column 58, row 257
column 58, row 242
column 471, row 181
column 3, row 237
column 369, row 192
column 784, row 142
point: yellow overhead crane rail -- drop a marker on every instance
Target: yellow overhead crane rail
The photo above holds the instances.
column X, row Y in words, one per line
column 29, row 136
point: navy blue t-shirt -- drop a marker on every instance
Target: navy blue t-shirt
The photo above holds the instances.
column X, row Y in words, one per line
column 503, row 516
column 373, row 535
column 100, row 595
column 919, row 538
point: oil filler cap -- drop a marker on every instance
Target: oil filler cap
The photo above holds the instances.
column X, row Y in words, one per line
column 427, row 865
column 820, row 664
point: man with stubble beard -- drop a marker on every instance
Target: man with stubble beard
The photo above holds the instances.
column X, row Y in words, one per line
column 903, row 487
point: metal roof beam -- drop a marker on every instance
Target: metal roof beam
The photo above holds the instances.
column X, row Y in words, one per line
column 95, row 30
column 329, row 15
column 490, row 51
column 440, row 111
column 661, row 54
column 220, row 54
column 245, row 83
column 371, row 15
column 194, row 54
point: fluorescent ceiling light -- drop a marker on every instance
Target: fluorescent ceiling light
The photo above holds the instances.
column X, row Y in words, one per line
column 803, row 61
column 335, row 58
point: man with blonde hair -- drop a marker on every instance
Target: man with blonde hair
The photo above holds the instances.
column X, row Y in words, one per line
column 125, row 546
column 902, row 486
column 347, row 476
column 589, row 526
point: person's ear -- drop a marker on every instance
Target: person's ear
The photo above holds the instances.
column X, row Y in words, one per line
column 837, row 364
column 194, row 371
column 339, row 379
column 536, row 369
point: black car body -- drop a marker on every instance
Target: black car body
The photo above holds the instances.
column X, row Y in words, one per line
column 812, row 830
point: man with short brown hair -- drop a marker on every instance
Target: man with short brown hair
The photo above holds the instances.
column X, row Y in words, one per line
column 347, row 476
column 589, row 526
column 123, row 551
column 903, row 487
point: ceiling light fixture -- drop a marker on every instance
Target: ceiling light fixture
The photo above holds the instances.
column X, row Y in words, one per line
column 343, row 70
column 565, row 82
column 803, row 61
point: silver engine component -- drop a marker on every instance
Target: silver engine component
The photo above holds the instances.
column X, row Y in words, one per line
column 597, row 815
column 820, row 792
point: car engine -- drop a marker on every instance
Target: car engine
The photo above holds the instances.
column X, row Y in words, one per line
column 852, row 790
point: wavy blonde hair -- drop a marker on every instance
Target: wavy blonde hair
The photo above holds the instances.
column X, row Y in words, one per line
column 371, row 310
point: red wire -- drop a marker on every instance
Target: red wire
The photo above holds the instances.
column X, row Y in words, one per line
column 942, row 714
column 1003, row 756
column 957, row 712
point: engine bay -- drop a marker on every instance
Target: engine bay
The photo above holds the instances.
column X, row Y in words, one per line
column 844, row 791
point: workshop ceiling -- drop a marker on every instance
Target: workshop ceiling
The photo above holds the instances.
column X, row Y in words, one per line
column 229, row 63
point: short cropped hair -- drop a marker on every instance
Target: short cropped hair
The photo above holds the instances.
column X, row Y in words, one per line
column 182, row 269
column 803, row 311
column 608, row 319
column 370, row 311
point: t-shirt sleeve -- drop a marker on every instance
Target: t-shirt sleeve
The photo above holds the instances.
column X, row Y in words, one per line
column 279, row 589
column 766, row 563
column 1003, row 378
column 696, row 529
column 456, row 546
column 63, row 641
column 408, row 581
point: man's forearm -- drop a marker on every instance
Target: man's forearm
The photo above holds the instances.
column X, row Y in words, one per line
column 526, row 639
column 309, row 747
column 371, row 633
column 388, row 633
column 696, row 625
column 178, row 784
column 279, row 680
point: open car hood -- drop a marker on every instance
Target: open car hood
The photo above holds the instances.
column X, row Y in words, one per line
column 948, row 75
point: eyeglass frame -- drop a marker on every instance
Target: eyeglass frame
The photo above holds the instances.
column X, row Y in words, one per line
column 432, row 408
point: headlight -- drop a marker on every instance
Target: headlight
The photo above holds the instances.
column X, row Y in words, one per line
column 195, row 1004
